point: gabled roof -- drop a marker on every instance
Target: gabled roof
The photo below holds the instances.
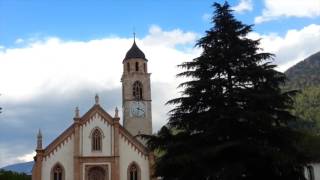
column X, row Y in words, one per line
column 96, row 109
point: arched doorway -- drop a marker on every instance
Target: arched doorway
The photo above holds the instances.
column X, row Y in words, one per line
column 97, row 173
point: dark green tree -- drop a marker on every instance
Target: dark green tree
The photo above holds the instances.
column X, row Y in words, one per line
column 9, row 175
column 232, row 120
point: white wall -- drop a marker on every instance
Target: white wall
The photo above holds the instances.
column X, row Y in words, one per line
column 63, row 155
column 129, row 155
column 85, row 139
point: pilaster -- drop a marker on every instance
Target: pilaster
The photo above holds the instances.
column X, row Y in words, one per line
column 76, row 161
column 37, row 168
column 116, row 167
column 151, row 166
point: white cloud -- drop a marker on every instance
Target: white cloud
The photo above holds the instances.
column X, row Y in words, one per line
column 275, row 9
column 293, row 47
column 168, row 38
column 26, row 157
column 9, row 156
column 243, row 6
column 57, row 66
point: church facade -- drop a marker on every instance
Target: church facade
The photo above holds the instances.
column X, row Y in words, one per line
column 96, row 146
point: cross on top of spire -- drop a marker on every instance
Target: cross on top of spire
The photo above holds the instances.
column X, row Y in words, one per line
column 134, row 35
column 134, row 52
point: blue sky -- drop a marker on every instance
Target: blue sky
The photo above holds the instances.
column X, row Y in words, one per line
column 84, row 20
column 56, row 55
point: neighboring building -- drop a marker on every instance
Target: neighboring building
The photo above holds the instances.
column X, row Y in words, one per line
column 96, row 146
column 312, row 171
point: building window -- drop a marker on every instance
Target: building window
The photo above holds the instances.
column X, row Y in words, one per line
column 96, row 139
column 57, row 172
column 310, row 173
column 137, row 90
column 137, row 66
column 133, row 172
column 144, row 67
column 128, row 67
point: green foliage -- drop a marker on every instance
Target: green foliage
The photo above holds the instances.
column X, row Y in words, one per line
column 9, row 175
column 307, row 107
column 231, row 121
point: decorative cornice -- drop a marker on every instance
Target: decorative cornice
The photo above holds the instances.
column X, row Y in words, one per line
column 136, row 143
column 60, row 139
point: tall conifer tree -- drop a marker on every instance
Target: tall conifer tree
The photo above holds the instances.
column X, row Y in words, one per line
column 232, row 120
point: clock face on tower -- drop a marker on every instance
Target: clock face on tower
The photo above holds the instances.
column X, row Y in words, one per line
column 137, row 109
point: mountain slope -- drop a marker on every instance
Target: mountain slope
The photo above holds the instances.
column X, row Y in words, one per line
column 20, row 167
column 304, row 74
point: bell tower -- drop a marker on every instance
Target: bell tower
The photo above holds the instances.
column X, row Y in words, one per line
column 136, row 92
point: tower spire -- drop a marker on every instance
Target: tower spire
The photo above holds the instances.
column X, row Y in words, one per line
column 77, row 112
column 39, row 140
column 96, row 98
column 116, row 113
column 134, row 52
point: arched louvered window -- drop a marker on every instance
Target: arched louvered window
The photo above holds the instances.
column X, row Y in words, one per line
column 137, row 66
column 128, row 67
column 137, row 90
column 134, row 172
column 57, row 172
column 96, row 139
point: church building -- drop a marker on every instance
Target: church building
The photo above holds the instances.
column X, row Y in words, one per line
column 96, row 146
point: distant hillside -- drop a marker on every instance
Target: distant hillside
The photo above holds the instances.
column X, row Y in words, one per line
column 20, row 167
column 304, row 74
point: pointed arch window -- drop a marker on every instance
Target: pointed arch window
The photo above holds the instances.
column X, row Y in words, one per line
column 57, row 172
column 96, row 140
column 134, row 172
column 137, row 66
column 137, row 90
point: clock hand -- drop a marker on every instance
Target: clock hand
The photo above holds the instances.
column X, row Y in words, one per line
column 140, row 109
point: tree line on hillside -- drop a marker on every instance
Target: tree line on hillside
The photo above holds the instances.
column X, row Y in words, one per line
column 307, row 108
column 233, row 120
column 9, row 175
